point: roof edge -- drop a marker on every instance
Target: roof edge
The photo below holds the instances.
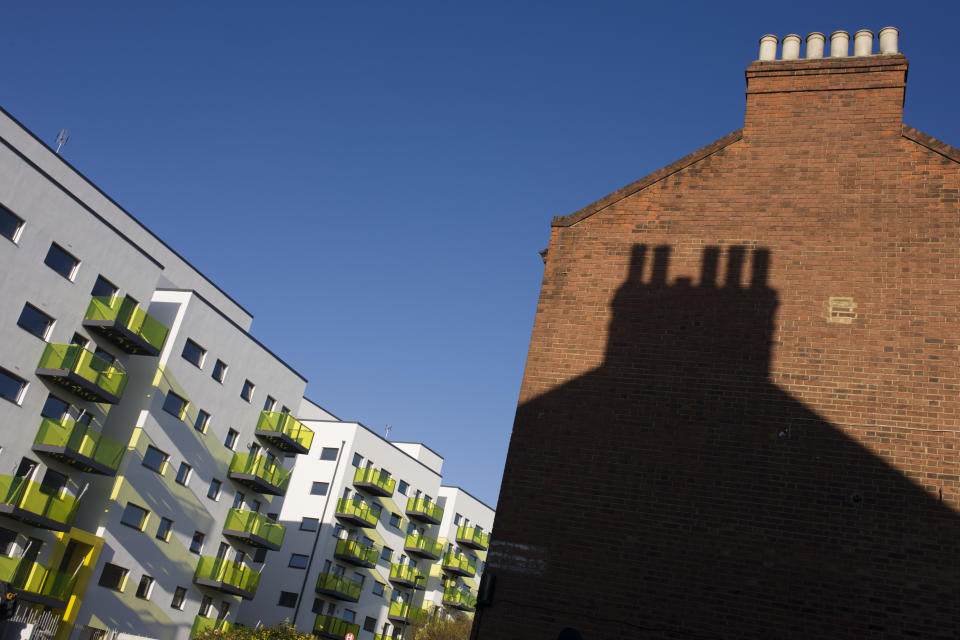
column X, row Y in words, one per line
column 643, row 183
column 931, row 143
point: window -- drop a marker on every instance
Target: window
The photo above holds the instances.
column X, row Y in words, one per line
column 205, row 605
column 238, row 499
column 357, row 460
column 224, row 609
column 298, row 561
column 145, row 587
column 457, row 518
column 214, row 491
column 317, row 606
column 378, row 588
column 269, row 403
column 164, row 529
column 175, row 405
column 329, row 453
column 10, row 224
column 231, row 440
column 194, row 353
column 337, row 530
column 11, row 386
column 155, row 459
column 255, row 506
column 61, row 261
column 134, row 516
column 359, row 577
column 247, row 391
column 260, row 554
column 184, row 473
column 287, row 599
column 79, row 340
column 349, row 615
column 273, row 516
column 179, row 597
column 34, row 321
column 105, row 355
column 370, row 624
column 200, row 424
column 113, row 577
column 386, row 554
column 54, row 408
column 196, row 543
column 285, row 409
column 402, row 487
column 320, row 488
column 103, row 288
column 395, row 520
column 309, row 524
column 219, row 371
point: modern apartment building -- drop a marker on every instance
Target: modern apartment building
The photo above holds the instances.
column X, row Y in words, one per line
column 148, row 438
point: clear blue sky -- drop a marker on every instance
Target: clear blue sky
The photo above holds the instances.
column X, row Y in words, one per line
column 373, row 180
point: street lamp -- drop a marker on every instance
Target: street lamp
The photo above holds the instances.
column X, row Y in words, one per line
column 416, row 585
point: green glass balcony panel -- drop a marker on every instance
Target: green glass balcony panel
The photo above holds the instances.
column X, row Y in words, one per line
column 259, row 473
column 36, row 504
column 284, row 431
column 254, row 528
column 423, row 509
column 423, row 546
column 460, row 564
column 202, row 624
column 362, row 514
column 338, row 586
column 330, row 627
column 79, row 445
column 355, row 553
column 407, row 575
column 384, row 636
column 125, row 324
column 459, row 599
column 83, row 373
column 374, row 481
column 407, row 612
column 473, row 537
column 37, row 583
column 227, row 576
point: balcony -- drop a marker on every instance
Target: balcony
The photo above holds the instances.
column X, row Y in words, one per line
column 35, row 504
column 330, row 627
column 259, row 473
column 420, row 545
column 473, row 537
column 424, row 510
column 374, row 482
column 227, row 576
column 355, row 553
column 459, row 564
column 459, row 599
column 254, row 528
column 357, row 512
column 407, row 575
column 201, row 624
column 406, row 612
column 338, row 586
column 125, row 324
column 83, row 373
column 36, row 583
column 284, row 432
column 79, row 446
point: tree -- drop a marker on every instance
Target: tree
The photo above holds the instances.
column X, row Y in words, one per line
column 455, row 628
column 282, row 631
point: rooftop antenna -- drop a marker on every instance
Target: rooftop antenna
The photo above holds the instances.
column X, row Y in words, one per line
column 389, row 426
column 62, row 138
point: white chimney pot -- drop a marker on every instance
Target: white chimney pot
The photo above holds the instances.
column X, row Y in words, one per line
column 815, row 45
column 768, row 48
column 839, row 44
column 888, row 40
column 863, row 43
column 791, row 47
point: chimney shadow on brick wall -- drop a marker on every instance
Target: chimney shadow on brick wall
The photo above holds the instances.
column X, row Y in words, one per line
column 677, row 492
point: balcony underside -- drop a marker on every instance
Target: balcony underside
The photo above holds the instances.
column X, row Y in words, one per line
column 122, row 337
column 251, row 538
column 256, row 483
column 75, row 459
column 423, row 517
column 31, row 518
column 410, row 583
column 224, row 587
column 78, row 385
column 333, row 593
column 355, row 560
column 372, row 488
column 471, row 543
column 462, row 606
column 353, row 519
column 423, row 553
column 458, row 570
column 281, row 441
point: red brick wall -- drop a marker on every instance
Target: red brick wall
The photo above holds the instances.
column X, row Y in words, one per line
column 703, row 449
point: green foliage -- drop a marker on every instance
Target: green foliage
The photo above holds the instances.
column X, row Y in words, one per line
column 282, row 631
column 455, row 628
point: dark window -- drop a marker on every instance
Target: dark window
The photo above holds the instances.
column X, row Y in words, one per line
column 61, row 261
column 179, row 597
column 402, row 487
column 205, row 606
column 192, row 352
column 247, row 392
column 196, row 543
column 349, row 615
column 113, row 577
column 320, row 488
column 357, row 460
column 231, row 440
column 395, row 520
column 287, row 599
column 105, row 355
column 269, row 403
column 285, row 409
column 378, row 588
column 35, row 321
column 370, row 624
column 154, row 459
column 53, row 482
column 309, row 524
column 298, row 561
column 80, row 340
column 238, row 499
column 386, row 554
column 134, row 516
column 54, row 408
column 329, row 453
column 11, row 386
column 260, row 555
column 184, row 473
column 219, row 371
column 174, row 405
column 10, row 224
column 317, row 606
column 214, row 491
column 200, row 424
column 164, row 529
column 145, row 587
column 273, row 516
column 8, row 539
column 103, row 288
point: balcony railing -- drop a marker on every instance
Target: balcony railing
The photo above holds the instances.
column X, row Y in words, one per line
column 338, row 586
column 79, row 445
column 36, row 504
column 407, row 612
column 407, row 575
column 201, row 624
column 423, row 509
column 423, row 546
column 473, row 537
column 330, row 627
column 355, row 553
column 358, row 512
column 38, row 583
column 284, row 431
column 459, row 599
column 374, row 481
column 259, row 473
column 459, row 564
column 227, row 576
column 254, row 528
column 125, row 324
column 83, row 373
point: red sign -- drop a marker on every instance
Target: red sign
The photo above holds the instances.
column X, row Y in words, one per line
column 349, row 636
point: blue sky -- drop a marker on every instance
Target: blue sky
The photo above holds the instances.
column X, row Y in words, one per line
column 373, row 180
